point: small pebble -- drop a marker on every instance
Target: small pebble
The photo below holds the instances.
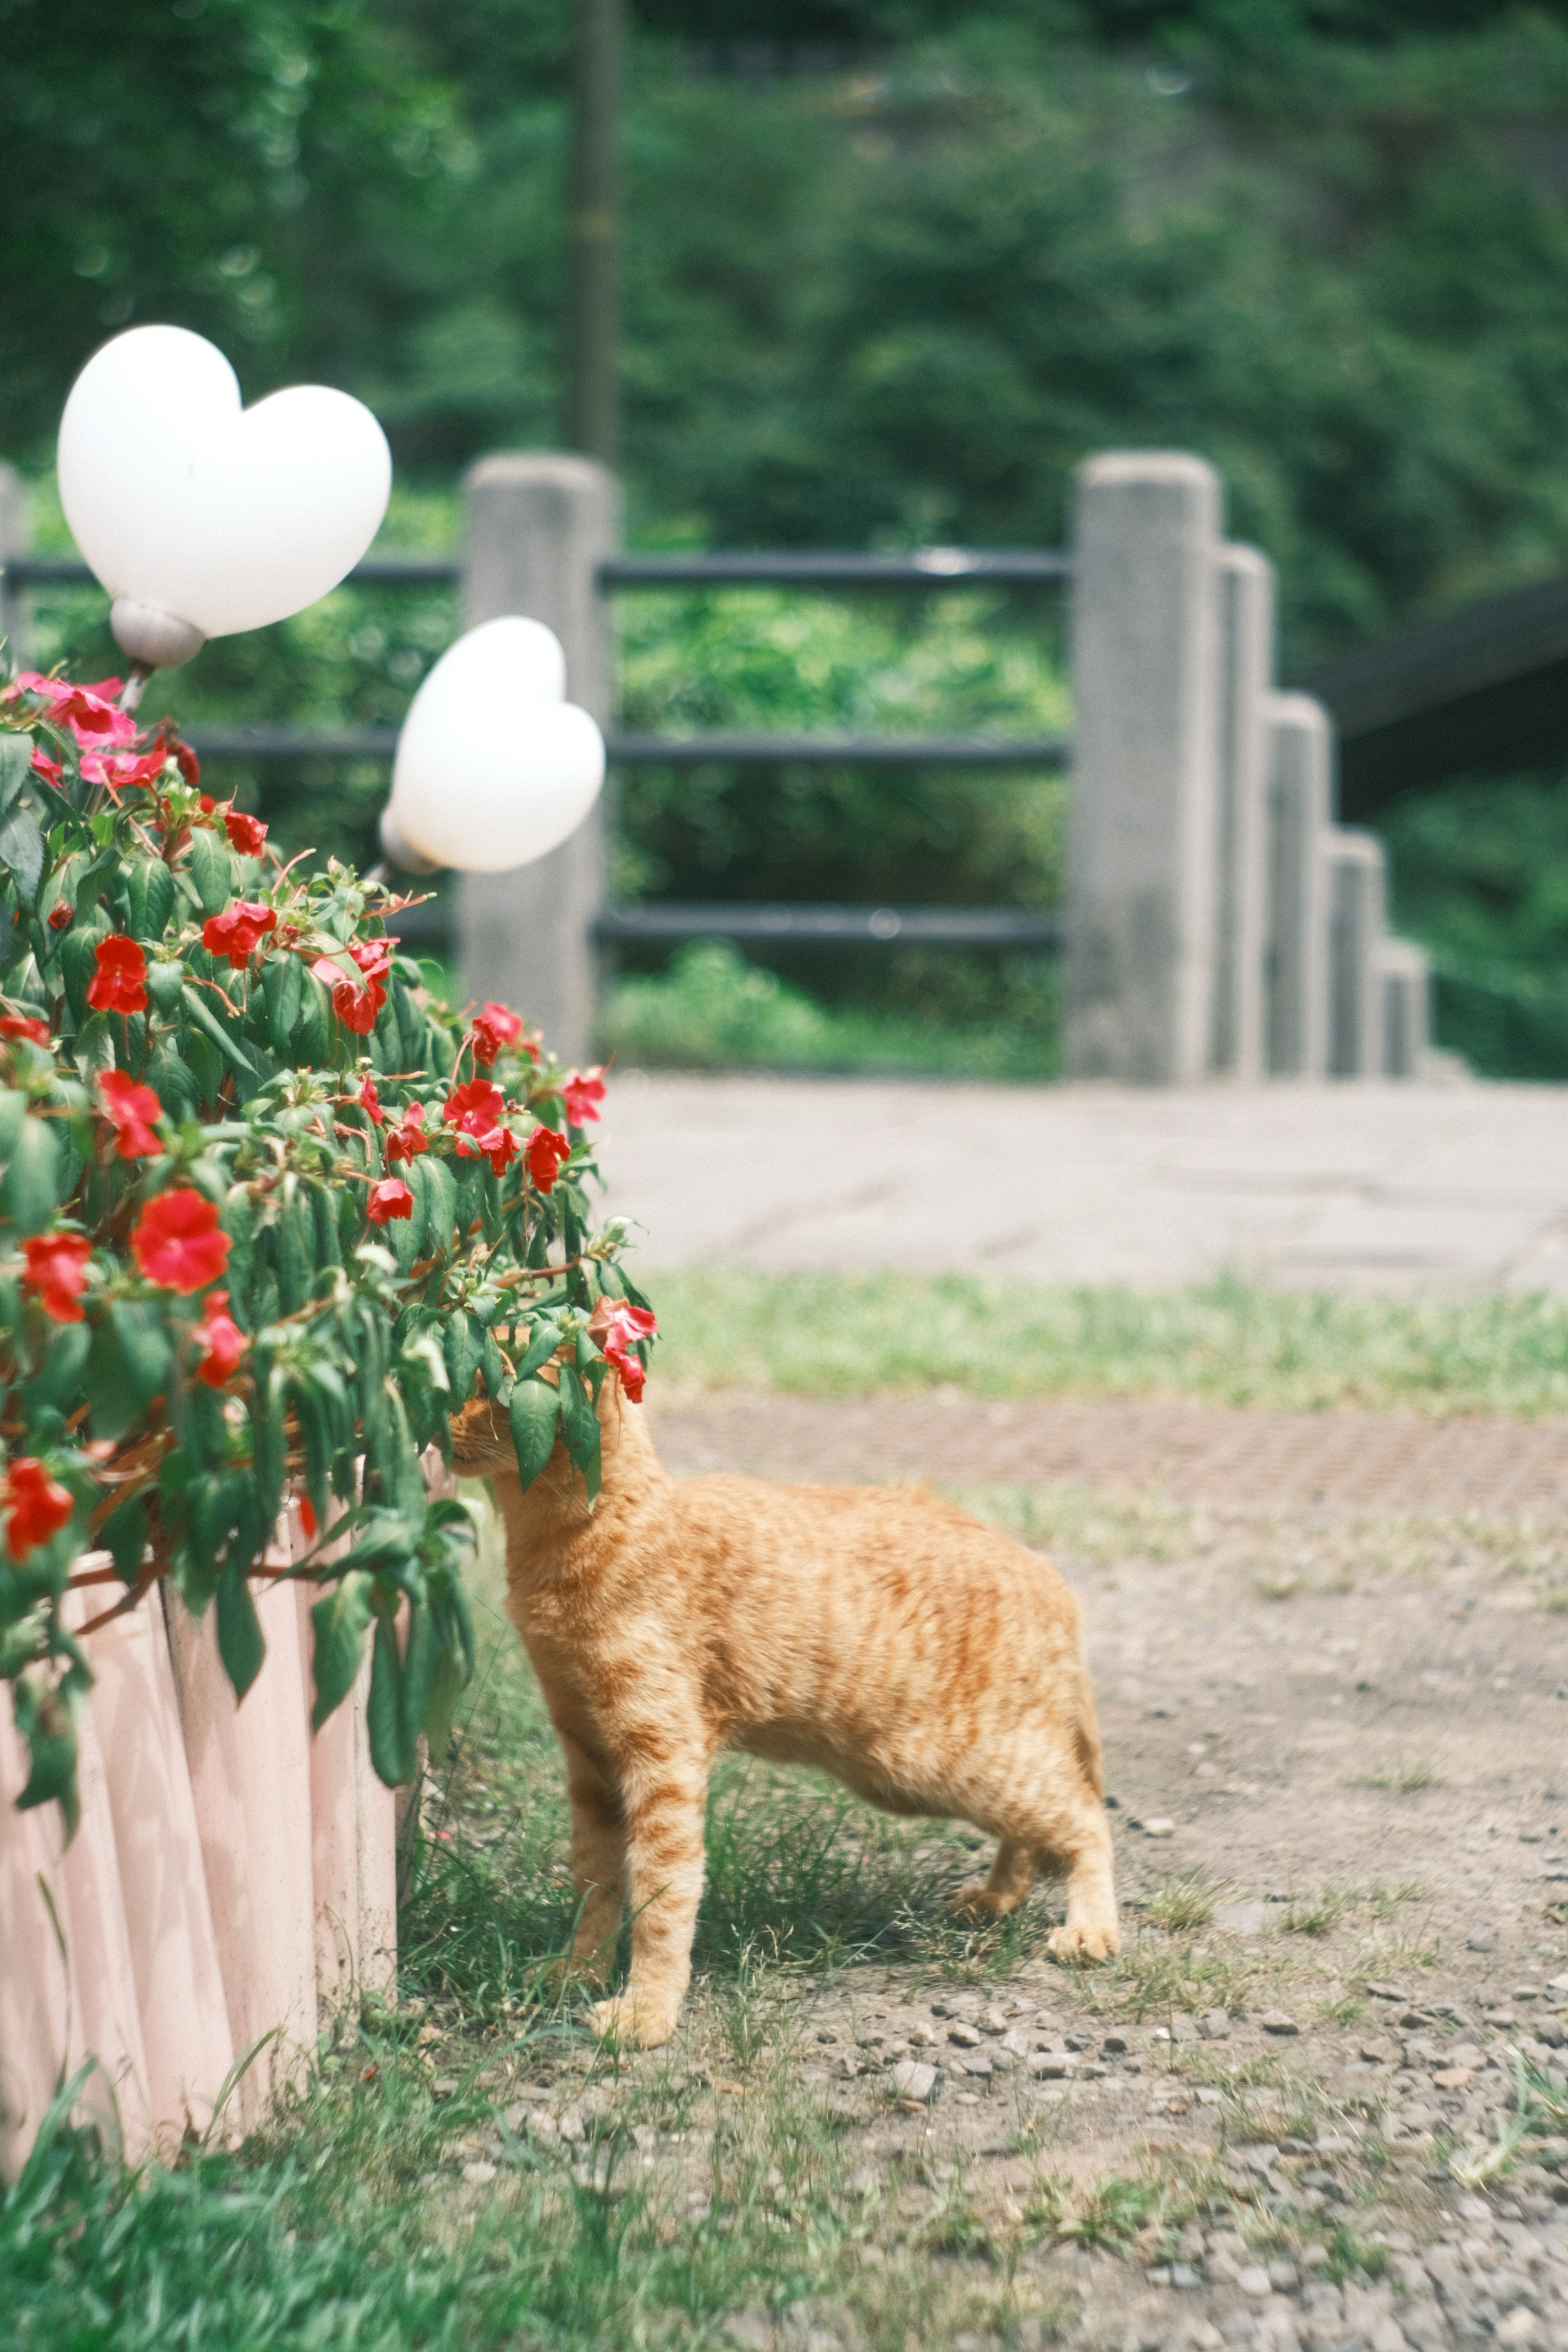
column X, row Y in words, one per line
column 1255, row 2281
column 913, row 2082
column 1274, row 2021
column 1158, row 1825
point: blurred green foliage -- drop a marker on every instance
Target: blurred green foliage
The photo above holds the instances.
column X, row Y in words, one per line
column 892, row 267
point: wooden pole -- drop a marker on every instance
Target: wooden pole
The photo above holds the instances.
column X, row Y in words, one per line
column 593, row 392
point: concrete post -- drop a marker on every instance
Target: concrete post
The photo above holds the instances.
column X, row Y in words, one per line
column 1355, row 892
column 1406, row 1008
column 1296, row 958
column 537, row 526
column 15, row 540
column 1142, row 861
column 1246, row 673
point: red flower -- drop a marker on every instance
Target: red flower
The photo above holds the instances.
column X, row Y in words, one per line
column 17, row 1025
column 120, row 984
column 407, row 1141
column 369, row 1100
column 117, row 770
column 177, row 1244
column 43, row 766
column 221, row 1341
column 496, row 1028
column 206, row 803
column 388, row 1198
column 185, row 760
column 237, row 931
column 306, row 1514
column 91, row 712
column 130, row 1108
column 357, row 1008
column 61, row 914
column 627, row 1326
column 246, row 833
column 39, row 1506
column 547, row 1153
column 584, row 1091
column 56, row 1274
column 476, row 1109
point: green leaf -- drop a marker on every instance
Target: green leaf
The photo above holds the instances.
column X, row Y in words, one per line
column 543, row 1341
column 32, row 1188
column 447, row 1684
column 144, row 1344
column 13, row 1111
column 58, row 1381
column 338, row 1621
column 15, row 766
column 151, row 891
column 165, row 979
column 533, row 1412
column 125, row 1537
column 270, row 1438
column 240, row 1643
column 441, row 1209
column 462, row 1340
column 94, row 1046
column 212, row 870
column 282, row 982
column 313, row 1043
column 46, row 1720
column 579, row 1427
column 294, row 1241
column 22, row 849
column 214, row 1029
column 390, row 1752
column 420, row 1652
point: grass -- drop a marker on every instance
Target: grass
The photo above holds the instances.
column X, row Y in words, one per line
column 839, row 1335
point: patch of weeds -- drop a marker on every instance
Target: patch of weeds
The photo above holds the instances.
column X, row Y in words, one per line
column 1149, row 1978
column 1405, row 1779
column 1319, row 1916
column 1340, row 2009
column 1382, row 1902
column 1188, row 1902
column 1276, row 1588
column 1127, row 2208
column 1352, row 2256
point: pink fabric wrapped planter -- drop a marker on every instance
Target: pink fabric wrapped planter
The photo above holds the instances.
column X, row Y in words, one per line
column 233, row 1879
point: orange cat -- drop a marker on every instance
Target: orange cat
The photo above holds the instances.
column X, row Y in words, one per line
column 878, row 1632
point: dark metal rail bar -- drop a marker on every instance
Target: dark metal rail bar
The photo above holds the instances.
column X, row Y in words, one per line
column 376, row 571
column 778, row 926
column 927, row 567
column 673, row 750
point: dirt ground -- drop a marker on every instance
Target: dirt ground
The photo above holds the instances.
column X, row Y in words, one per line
column 1322, row 2100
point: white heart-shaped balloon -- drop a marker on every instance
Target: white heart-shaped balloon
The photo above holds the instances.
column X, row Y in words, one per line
column 186, row 503
column 494, row 768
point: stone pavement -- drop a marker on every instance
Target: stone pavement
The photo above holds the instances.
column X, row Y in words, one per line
column 1455, row 1186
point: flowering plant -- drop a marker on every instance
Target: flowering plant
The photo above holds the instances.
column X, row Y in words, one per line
column 269, row 1217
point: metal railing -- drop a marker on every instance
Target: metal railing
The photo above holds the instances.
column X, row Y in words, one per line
column 669, row 921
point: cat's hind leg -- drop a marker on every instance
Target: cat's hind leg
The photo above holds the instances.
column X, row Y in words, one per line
column 1089, row 1931
column 1012, row 1875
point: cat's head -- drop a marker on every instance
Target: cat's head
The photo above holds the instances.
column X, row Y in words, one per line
column 481, row 1440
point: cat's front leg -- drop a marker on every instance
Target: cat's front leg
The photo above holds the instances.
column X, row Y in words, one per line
column 665, row 1811
column 598, row 1862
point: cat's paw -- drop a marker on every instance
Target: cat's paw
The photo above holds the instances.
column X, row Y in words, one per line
column 623, row 2020
column 978, row 1902
column 1086, row 1940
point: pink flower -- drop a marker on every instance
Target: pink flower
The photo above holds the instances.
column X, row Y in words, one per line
column 56, row 1274
column 129, row 1108
column 408, row 1140
column 48, row 769
column 221, row 1341
column 388, row 1198
column 496, row 1028
column 119, row 770
column 546, row 1154
column 237, row 932
column 246, row 833
column 178, row 1243
column 623, row 1328
column 584, row 1091
column 39, row 1505
column 119, row 985
column 91, row 712
column 476, row 1110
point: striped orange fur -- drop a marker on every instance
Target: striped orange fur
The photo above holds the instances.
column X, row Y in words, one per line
column 880, row 1633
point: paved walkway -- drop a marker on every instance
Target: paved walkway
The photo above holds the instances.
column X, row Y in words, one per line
column 1455, row 1187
